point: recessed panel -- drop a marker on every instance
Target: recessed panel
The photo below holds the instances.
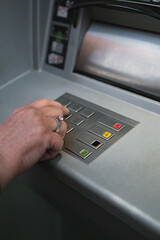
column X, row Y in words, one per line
column 91, row 129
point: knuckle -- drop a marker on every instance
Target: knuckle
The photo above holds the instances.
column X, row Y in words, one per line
column 18, row 110
column 61, row 143
column 58, row 104
column 63, row 129
column 65, row 125
column 60, row 112
column 41, row 130
column 46, row 101
column 30, row 111
column 34, row 115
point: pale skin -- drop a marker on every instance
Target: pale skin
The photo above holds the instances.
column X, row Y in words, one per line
column 29, row 136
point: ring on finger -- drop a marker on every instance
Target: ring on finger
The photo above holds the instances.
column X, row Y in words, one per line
column 59, row 123
column 61, row 118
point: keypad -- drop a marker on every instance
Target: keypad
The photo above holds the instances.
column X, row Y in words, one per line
column 66, row 102
column 77, row 119
column 91, row 129
column 101, row 131
column 85, row 153
column 69, row 129
column 112, row 123
column 118, row 126
column 68, row 116
column 90, row 140
column 86, row 112
column 75, row 107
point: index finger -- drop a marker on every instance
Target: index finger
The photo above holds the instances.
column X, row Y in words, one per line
column 44, row 102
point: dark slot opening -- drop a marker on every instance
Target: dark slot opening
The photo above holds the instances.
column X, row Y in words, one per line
column 95, row 143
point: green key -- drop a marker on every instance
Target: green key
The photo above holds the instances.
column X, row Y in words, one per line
column 84, row 152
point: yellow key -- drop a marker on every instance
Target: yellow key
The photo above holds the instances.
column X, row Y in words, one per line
column 107, row 134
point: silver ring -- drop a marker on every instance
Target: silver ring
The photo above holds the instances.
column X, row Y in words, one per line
column 59, row 124
column 61, row 118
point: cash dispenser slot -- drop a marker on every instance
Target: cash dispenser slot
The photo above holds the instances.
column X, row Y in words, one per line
column 121, row 56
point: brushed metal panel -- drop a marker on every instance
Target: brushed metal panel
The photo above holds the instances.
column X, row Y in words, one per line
column 83, row 131
column 15, row 39
column 125, row 56
column 125, row 179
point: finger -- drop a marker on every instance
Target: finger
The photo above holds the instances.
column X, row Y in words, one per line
column 63, row 129
column 65, row 111
column 49, row 155
column 44, row 102
column 55, row 145
column 53, row 125
column 49, row 103
column 53, row 112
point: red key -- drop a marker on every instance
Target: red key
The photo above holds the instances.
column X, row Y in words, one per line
column 117, row 126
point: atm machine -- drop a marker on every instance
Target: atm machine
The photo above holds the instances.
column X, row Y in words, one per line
column 101, row 60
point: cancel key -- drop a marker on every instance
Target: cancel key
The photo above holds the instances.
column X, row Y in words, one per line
column 112, row 123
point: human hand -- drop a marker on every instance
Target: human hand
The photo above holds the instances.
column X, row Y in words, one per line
column 28, row 136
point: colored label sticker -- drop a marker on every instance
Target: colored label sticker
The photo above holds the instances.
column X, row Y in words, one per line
column 55, row 58
column 84, row 153
column 117, row 126
column 107, row 134
column 62, row 12
column 57, row 47
column 59, row 37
